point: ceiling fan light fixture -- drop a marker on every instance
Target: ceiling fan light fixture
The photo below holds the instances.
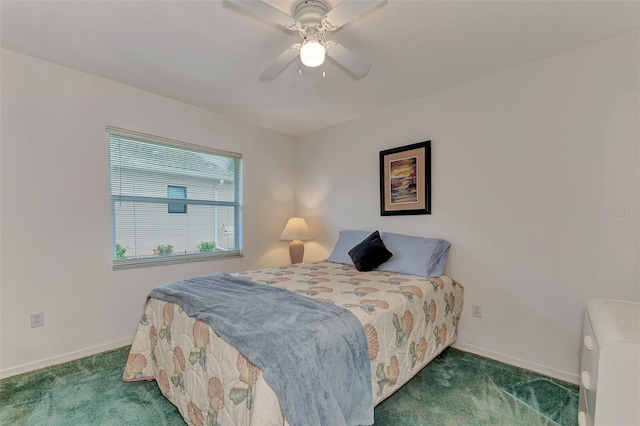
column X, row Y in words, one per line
column 312, row 53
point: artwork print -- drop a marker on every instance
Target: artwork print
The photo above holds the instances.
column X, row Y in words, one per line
column 405, row 180
column 402, row 174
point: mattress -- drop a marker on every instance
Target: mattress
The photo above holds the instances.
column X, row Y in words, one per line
column 408, row 321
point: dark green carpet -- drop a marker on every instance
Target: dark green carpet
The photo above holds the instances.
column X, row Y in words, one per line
column 457, row 388
column 555, row 401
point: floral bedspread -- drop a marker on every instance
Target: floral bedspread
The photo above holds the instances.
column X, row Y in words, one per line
column 408, row 321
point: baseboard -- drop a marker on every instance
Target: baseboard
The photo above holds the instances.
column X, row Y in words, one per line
column 72, row 356
column 527, row 365
column 60, row 359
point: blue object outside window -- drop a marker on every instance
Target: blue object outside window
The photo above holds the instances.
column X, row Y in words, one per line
column 179, row 192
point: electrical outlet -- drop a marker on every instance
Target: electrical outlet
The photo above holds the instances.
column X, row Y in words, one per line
column 37, row 320
column 476, row 311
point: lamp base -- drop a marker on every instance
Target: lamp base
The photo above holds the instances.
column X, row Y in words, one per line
column 296, row 251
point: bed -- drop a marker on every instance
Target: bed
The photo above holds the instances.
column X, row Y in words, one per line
column 408, row 321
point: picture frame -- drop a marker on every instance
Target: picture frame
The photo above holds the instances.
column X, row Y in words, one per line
column 405, row 180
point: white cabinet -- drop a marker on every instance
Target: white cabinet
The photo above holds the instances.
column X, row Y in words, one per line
column 610, row 366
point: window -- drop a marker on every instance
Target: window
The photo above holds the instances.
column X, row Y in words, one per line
column 179, row 192
column 147, row 175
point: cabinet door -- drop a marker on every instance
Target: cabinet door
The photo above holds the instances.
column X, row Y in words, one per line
column 588, row 370
column 619, row 385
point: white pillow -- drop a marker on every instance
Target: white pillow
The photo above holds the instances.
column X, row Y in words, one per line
column 425, row 257
column 348, row 239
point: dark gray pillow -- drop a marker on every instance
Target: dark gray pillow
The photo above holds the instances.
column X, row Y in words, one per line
column 370, row 253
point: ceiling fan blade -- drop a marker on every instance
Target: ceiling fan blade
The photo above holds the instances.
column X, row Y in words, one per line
column 346, row 11
column 266, row 11
column 349, row 60
column 281, row 62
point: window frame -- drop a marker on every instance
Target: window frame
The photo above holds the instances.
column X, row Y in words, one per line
column 237, row 205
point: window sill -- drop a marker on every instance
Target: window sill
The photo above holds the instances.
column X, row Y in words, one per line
column 173, row 260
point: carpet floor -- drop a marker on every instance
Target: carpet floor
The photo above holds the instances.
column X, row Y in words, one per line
column 457, row 388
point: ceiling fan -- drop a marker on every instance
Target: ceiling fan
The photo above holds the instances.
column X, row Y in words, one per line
column 312, row 18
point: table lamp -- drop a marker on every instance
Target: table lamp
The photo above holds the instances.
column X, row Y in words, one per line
column 296, row 231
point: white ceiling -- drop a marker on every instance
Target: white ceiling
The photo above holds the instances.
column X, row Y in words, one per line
column 211, row 53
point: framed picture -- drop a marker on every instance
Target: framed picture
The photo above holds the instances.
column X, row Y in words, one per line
column 405, row 180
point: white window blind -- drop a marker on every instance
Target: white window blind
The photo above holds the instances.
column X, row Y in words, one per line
column 147, row 175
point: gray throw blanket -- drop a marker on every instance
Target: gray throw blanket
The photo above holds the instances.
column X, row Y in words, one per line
column 313, row 354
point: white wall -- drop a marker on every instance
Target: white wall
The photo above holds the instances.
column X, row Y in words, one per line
column 526, row 164
column 56, row 237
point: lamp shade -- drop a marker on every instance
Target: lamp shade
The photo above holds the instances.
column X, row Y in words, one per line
column 296, row 229
column 312, row 53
